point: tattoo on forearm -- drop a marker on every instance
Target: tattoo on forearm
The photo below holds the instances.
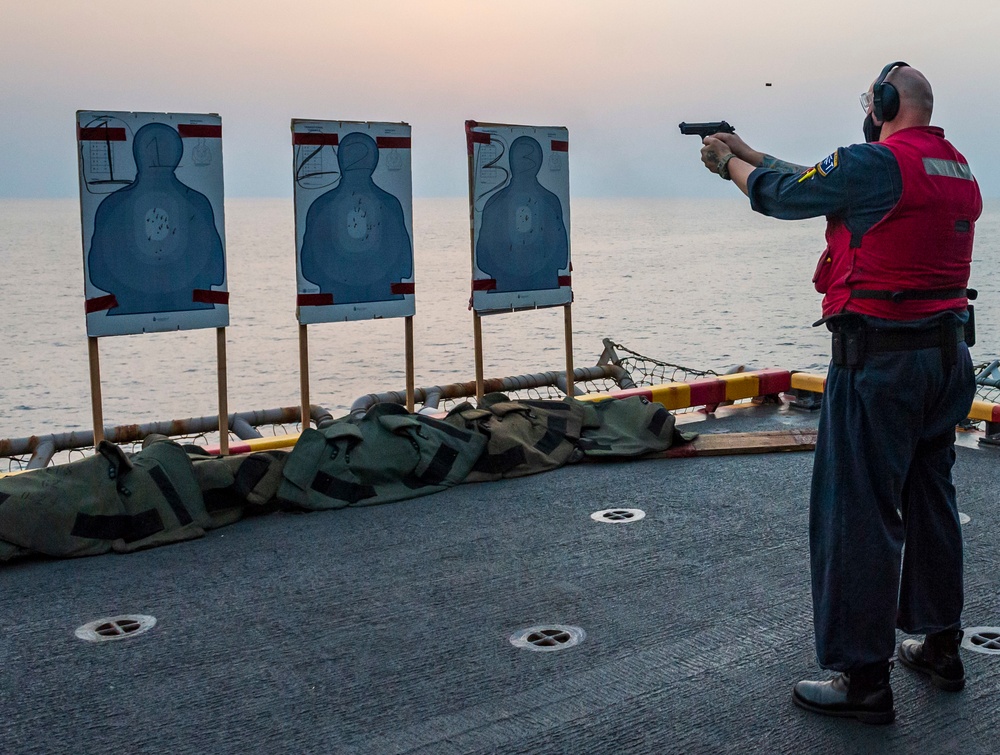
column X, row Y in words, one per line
column 773, row 163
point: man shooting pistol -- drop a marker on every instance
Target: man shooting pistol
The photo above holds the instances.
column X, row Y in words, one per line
column 705, row 130
column 884, row 529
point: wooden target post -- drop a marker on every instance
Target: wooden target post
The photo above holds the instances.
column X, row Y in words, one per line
column 95, row 390
column 568, row 326
column 410, row 380
column 477, row 334
column 220, row 351
column 502, row 142
column 477, row 330
column 96, row 402
column 304, row 369
column 304, row 373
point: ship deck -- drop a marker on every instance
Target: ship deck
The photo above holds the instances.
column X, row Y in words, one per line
column 386, row 629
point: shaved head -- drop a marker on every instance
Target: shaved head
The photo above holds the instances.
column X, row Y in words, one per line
column 915, row 95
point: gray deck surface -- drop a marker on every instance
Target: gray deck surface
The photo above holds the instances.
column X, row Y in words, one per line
column 385, row 629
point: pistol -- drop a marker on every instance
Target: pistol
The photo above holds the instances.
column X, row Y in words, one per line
column 706, row 129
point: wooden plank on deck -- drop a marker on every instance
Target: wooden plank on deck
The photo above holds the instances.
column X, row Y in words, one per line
column 730, row 444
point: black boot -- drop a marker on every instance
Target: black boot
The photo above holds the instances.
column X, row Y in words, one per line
column 862, row 693
column 937, row 656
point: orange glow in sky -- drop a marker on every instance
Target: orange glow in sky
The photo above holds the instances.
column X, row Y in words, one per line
column 619, row 75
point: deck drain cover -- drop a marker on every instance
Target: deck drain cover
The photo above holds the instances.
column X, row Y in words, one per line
column 115, row 628
column 982, row 640
column 964, row 518
column 618, row 516
column 547, row 637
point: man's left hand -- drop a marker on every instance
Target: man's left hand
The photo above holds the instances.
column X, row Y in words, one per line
column 713, row 152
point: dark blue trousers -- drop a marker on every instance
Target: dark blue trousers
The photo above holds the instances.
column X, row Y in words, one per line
column 885, row 539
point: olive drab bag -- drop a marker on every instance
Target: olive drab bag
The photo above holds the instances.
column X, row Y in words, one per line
column 524, row 437
column 108, row 501
column 238, row 485
column 628, row 427
column 385, row 455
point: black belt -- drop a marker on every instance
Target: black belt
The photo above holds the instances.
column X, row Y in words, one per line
column 915, row 294
column 852, row 340
column 898, row 339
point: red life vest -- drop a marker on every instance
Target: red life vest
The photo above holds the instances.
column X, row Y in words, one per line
column 923, row 244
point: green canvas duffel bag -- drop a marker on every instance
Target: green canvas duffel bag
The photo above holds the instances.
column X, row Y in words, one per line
column 385, row 455
column 628, row 427
column 524, row 437
column 108, row 501
column 234, row 486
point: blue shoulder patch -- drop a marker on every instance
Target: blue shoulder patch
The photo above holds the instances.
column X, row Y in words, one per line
column 830, row 164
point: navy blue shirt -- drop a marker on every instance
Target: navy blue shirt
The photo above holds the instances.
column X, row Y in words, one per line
column 859, row 185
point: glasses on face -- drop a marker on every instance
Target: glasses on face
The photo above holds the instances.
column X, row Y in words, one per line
column 866, row 101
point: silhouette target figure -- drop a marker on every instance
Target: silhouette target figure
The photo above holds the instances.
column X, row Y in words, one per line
column 155, row 240
column 522, row 238
column 355, row 244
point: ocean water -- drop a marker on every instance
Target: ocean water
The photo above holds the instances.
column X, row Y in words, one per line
column 703, row 283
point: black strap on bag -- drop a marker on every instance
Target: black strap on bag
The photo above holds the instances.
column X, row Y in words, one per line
column 118, row 526
column 341, row 490
column 173, row 498
column 127, row 527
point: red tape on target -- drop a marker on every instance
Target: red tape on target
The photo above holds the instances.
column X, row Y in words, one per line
column 199, row 130
column 474, row 137
column 392, row 142
column 203, row 296
column 101, row 134
column 402, row 288
column 100, row 303
column 317, row 140
column 314, row 300
column 565, row 280
column 560, row 146
column 486, row 284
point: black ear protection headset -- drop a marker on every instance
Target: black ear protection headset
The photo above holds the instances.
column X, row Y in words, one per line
column 885, row 97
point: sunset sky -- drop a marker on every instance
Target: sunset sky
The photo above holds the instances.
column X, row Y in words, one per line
column 620, row 75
